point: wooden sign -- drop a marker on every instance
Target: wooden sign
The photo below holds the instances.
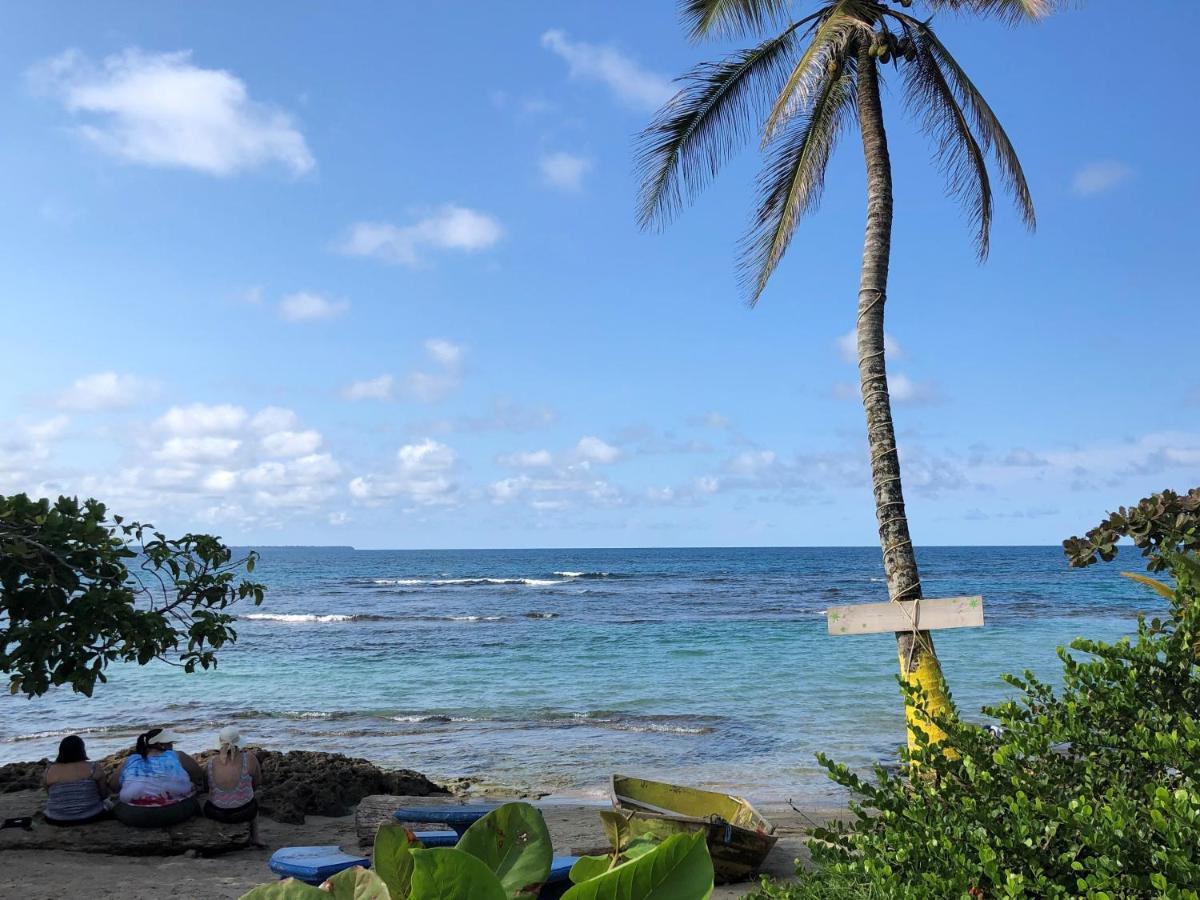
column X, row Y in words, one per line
column 921, row 615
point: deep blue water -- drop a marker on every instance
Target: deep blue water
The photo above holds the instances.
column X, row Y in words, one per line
column 553, row 668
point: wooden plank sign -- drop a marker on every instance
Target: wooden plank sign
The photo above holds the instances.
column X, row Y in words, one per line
column 924, row 615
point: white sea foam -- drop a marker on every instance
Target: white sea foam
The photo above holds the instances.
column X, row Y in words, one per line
column 475, row 618
column 414, row 582
column 298, row 617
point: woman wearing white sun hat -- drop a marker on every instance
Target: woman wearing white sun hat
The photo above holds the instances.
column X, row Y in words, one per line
column 157, row 783
column 233, row 777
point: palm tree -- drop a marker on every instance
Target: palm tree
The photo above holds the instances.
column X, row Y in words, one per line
column 799, row 90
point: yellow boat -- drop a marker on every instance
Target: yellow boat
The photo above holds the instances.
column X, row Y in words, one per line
column 738, row 836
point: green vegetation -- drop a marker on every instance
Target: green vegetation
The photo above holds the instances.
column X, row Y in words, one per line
column 1091, row 790
column 80, row 589
column 797, row 91
column 507, row 855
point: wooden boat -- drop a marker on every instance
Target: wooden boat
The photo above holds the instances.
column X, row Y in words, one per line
column 738, row 836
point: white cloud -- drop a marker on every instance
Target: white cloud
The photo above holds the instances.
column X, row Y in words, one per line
column 429, row 387
column 274, row 418
column 291, row 443
column 198, row 449
column 105, row 390
column 449, row 227
column 160, row 109
column 564, row 171
column 306, row 307
column 532, row 459
column 906, row 391
column 444, row 352
column 593, row 449
column 847, row 346
column 381, row 388
column 425, row 386
column 200, row 418
column 422, row 475
column 1098, row 177
column 631, row 83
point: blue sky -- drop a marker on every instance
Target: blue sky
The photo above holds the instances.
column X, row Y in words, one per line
column 370, row 275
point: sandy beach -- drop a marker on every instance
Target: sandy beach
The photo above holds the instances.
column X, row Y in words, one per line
column 54, row 875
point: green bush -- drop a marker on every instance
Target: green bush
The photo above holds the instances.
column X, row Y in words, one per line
column 821, row 884
column 1088, row 791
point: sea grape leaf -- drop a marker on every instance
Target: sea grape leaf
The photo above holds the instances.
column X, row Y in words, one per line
column 616, row 827
column 588, row 867
column 513, row 841
column 392, row 858
column 355, row 883
column 677, row 869
column 447, row 873
column 640, row 846
column 288, row 889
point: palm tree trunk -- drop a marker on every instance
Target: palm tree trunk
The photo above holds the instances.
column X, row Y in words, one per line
column 918, row 661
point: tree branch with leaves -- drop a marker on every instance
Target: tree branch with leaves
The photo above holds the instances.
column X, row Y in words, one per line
column 80, row 589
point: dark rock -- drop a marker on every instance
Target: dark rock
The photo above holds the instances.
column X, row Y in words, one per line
column 301, row 782
column 21, row 776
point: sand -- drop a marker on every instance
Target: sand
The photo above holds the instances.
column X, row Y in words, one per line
column 51, row 875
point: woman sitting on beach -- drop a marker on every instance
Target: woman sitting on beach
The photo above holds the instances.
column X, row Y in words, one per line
column 233, row 777
column 157, row 783
column 75, row 786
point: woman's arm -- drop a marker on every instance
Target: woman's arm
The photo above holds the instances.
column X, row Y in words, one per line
column 101, row 781
column 192, row 768
column 253, row 769
column 114, row 780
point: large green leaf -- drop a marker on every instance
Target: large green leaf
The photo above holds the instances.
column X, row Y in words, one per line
column 513, row 841
column 355, row 883
column 289, row 889
column 447, row 873
column 589, row 867
column 678, row 869
column 392, row 858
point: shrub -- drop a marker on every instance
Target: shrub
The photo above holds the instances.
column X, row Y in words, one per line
column 1089, row 790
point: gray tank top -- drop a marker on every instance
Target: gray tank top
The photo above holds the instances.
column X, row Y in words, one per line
column 74, row 799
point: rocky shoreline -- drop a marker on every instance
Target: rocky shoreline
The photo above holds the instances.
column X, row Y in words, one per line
column 295, row 783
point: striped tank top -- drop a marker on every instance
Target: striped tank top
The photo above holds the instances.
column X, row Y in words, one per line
column 72, row 800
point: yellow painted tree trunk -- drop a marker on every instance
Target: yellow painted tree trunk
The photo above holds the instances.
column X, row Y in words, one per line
column 918, row 660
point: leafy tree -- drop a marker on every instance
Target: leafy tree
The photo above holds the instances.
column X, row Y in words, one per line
column 80, row 589
column 1091, row 790
column 800, row 89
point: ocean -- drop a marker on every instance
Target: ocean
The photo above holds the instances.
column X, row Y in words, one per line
column 550, row 669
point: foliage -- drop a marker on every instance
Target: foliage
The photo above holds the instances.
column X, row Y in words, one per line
column 677, row 869
column 1091, row 790
column 513, row 842
column 820, row 884
column 507, row 855
column 1161, row 525
column 80, row 589
column 797, row 91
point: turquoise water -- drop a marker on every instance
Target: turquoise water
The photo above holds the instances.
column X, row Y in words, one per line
column 553, row 668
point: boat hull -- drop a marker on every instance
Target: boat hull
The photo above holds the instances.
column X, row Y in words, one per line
column 739, row 838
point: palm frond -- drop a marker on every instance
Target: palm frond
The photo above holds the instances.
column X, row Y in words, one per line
column 793, row 177
column 828, row 45
column 698, row 130
column 731, row 18
column 957, row 152
column 988, row 128
column 1011, row 11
